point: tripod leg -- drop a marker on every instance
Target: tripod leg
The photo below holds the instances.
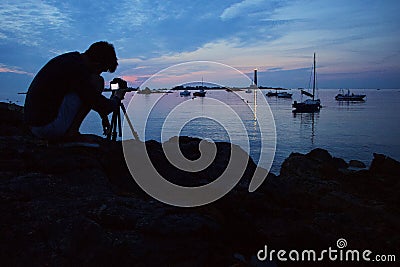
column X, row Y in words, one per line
column 135, row 135
column 119, row 123
column 113, row 132
column 111, row 127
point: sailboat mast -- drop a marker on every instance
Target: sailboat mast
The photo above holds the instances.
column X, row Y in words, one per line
column 315, row 78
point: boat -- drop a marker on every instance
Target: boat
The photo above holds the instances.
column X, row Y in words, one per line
column 349, row 97
column 284, row 95
column 309, row 105
column 271, row 94
column 184, row 93
column 200, row 93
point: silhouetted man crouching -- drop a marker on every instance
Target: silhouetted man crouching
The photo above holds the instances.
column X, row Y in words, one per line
column 67, row 88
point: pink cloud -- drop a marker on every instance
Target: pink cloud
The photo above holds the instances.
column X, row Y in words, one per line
column 5, row 69
column 130, row 78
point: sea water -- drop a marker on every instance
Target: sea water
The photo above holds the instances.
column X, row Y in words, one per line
column 349, row 130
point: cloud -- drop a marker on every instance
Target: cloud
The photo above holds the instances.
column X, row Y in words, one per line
column 228, row 51
column 225, row 51
column 133, row 79
column 28, row 21
column 280, row 37
column 142, row 13
column 247, row 7
column 12, row 69
column 151, row 35
column 133, row 13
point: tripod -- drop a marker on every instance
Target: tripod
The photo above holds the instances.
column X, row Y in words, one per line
column 116, row 123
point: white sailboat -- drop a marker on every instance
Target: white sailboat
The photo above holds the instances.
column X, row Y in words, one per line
column 342, row 96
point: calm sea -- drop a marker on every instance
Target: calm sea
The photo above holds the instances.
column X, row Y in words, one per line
column 346, row 129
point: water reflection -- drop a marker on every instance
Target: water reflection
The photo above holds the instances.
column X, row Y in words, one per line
column 346, row 129
column 308, row 123
column 348, row 105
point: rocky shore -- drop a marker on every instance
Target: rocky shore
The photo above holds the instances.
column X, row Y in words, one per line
column 79, row 206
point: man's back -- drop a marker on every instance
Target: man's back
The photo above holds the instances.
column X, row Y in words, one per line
column 61, row 75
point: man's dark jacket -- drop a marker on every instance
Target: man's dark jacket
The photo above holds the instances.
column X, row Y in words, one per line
column 62, row 75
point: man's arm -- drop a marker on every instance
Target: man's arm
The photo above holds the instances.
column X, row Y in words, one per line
column 106, row 124
column 90, row 92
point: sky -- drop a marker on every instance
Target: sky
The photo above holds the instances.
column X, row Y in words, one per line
column 357, row 42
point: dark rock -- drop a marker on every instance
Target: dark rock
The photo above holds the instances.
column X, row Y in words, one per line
column 320, row 155
column 317, row 163
column 387, row 170
column 357, row 164
column 337, row 201
column 382, row 164
column 11, row 120
column 115, row 217
column 182, row 224
column 298, row 165
column 339, row 163
column 80, row 206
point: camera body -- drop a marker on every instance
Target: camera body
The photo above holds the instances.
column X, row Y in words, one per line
column 118, row 83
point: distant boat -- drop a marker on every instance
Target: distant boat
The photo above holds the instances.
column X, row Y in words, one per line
column 200, row 93
column 280, row 94
column 284, row 95
column 349, row 97
column 184, row 93
column 228, row 90
column 310, row 105
column 271, row 94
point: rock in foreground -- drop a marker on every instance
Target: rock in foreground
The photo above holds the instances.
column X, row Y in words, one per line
column 80, row 206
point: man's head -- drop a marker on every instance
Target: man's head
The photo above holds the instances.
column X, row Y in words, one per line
column 102, row 56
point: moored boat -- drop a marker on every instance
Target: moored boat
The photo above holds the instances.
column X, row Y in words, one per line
column 200, row 93
column 184, row 93
column 270, row 94
column 349, row 97
column 309, row 105
column 284, row 95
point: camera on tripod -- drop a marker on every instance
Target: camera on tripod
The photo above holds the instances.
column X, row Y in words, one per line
column 116, row 126
column 118, row 83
